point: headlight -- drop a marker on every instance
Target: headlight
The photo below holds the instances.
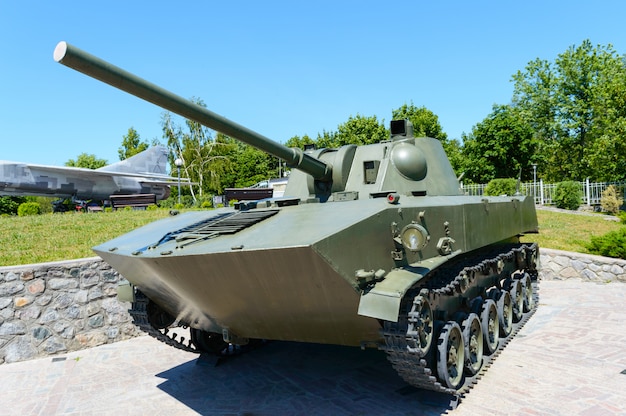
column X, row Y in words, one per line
column 414, row 237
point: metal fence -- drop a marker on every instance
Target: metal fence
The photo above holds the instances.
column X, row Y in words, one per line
column 543, row 192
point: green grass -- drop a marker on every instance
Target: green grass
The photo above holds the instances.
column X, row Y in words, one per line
column 570, row 231
column 52, row 237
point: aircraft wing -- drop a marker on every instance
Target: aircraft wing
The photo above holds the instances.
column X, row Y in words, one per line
column 94, row 173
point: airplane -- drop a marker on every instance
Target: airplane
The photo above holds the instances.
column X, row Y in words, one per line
column 143, row 173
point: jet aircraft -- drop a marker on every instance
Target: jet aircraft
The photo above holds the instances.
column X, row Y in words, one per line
column 143, row 173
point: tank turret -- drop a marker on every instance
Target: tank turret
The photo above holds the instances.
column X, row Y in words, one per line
column 372, row 246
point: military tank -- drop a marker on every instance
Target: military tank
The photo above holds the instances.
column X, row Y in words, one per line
column 370, row 246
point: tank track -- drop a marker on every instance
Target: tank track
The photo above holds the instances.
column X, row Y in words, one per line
column 169, row 336
column 419, row 369
column 139, row 313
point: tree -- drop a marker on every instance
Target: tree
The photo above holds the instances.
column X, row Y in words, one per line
column 131, row 144
column 299, row 142
column 89, row 161
column 357, row 130
column 205, row 159
column 499, row 146
column 249, row 166
column 576, row 107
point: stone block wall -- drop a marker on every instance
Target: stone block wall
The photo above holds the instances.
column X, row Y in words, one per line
column 562, row 265
column 52, row 308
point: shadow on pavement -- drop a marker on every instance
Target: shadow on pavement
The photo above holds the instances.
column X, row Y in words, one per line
column 288, row 378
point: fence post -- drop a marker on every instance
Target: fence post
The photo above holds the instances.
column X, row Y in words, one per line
column 541, row 190
column 588, row 192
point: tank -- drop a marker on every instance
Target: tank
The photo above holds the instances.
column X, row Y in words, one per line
column 372, row 246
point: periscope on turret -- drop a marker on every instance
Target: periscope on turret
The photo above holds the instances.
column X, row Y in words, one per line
column 370, row 246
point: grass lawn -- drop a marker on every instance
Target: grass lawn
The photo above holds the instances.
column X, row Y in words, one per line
column 570, row 231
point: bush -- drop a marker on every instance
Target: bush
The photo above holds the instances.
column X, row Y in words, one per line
column 152, row 207
column 29, row 208
column 612, row 244
column 567, row 195
column 10, row 204
column 611, row 201
column 497, row 187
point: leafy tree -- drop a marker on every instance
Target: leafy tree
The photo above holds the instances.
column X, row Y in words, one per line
column 205, row 159
column 498, row 147
column 299, row 142
column 357, row 130
column 131, row 144
column 89, row 161
column 576, row 107
column 249, row 165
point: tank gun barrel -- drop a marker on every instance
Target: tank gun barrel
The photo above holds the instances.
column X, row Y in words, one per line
column 99, row 69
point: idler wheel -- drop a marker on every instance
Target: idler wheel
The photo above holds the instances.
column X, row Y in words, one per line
column 421, row 326
column 473, row 341
column 211, row 342
column 490, row 326
column 450, row 355
column 158, row 317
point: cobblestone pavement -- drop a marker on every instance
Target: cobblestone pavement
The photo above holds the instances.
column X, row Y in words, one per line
column 570, row 358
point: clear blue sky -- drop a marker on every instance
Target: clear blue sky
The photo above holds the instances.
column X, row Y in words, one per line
column 281, row 68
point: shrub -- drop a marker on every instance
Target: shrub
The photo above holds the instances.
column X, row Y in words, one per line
column 497, row 187
column 611, row 201
column 29, row 208
column 567, row 195
column 10, row 204
column 611, row 244
column 151, row 207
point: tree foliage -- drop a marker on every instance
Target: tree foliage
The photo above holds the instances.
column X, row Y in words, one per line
column 131, row 144
column 357, row 130
column 576, row 107
column 204, row 158
column 89, row 161
column 498, row 147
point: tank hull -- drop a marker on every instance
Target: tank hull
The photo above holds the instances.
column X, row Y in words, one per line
column 292, row 276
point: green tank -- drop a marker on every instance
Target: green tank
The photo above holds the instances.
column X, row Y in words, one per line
column 371, row 246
